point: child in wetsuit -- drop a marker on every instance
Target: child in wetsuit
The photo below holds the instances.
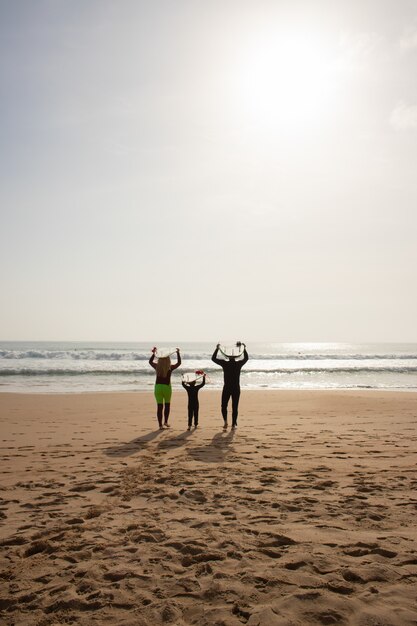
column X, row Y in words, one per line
column 192, row 389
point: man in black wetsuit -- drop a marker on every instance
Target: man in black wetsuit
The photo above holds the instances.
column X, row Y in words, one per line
column 231, row 388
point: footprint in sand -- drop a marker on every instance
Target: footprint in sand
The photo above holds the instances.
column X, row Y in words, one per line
column 364, row 549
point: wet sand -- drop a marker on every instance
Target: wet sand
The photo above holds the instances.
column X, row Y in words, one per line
column 306, row 514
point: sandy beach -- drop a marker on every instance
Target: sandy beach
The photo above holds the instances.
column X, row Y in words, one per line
column 306, row 514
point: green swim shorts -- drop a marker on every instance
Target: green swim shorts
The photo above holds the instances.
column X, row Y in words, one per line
column 163, row 393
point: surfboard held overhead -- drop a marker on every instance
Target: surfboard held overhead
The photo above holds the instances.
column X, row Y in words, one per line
column 193, row 377
column 161, row 353
column 232, row 350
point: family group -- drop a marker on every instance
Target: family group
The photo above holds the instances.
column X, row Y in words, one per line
column 231, row 366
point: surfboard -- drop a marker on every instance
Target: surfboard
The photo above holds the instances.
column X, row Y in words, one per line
column 191, row 377
column 236, row 350
column 164, row 352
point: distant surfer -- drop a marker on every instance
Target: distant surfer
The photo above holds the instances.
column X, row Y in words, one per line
column 193, row 405
column 231, row 387
column 163, row 389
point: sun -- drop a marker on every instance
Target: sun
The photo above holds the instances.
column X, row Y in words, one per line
column 284, row 79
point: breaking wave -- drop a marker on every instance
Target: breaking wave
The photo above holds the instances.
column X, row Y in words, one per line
column 34, row 371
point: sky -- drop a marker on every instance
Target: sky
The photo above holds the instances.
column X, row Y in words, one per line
column 206, row 170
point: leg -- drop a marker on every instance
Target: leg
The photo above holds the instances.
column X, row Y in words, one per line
column 159, row 414
column 226, row 393
column 235, row 405
column 167, row 409
column 160, row 403
column 190, row 415
column 167, row 390
column 196, row 407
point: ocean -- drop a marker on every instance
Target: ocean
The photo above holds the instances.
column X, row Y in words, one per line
column 74, row 367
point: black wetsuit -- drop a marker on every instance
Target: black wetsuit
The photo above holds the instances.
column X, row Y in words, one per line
column 231, row 388
column 193, row 404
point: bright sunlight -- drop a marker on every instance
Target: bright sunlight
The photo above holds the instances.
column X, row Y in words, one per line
column 285, row 79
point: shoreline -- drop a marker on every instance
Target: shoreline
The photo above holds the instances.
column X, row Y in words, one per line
column 244, row 391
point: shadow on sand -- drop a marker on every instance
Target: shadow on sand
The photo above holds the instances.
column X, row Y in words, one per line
column 174, row 442
column 129, row 448
column 216, row 451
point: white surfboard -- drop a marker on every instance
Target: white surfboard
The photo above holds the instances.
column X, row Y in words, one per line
column 236, row 350
column 192, row 377
column 164, row 352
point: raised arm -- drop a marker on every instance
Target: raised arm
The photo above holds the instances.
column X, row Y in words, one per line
column 214, row 356
column 201, row 384
column 178, row 363
column 151, row 361
column 245, row 357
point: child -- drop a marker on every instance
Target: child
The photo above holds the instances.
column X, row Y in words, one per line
column 192, row 389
